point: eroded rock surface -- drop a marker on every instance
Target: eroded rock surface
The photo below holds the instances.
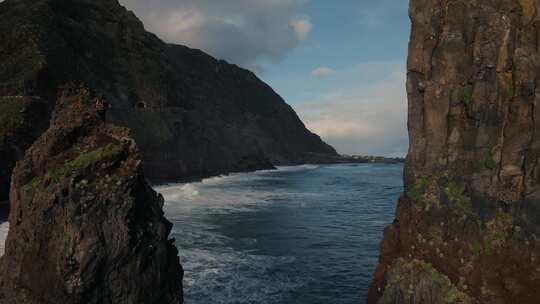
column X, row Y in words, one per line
column 471, row 207
column 85, row 227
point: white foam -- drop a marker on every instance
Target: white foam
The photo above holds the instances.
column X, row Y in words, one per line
column 208, row 262
column 4, row 228
column 228, row 276
column 297, row 168
column 223, row 194
column 215, row 272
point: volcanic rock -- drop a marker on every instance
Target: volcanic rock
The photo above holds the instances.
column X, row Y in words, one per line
column 467, row 228
column 85, row 226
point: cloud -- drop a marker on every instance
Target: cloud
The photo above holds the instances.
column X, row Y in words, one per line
column 302, row 27
column 368, row 119
column 245, row 32
column 322, row 72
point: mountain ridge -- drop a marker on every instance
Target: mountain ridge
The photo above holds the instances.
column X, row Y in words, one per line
column 192, row 115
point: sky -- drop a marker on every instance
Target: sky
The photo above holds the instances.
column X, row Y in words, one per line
column 339, row 63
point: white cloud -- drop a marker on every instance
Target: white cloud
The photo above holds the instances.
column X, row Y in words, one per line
column 245, row 32
column 302, row 27
column 367, row 119
column 322, row 72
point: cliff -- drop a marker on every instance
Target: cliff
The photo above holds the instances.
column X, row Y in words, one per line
column 467, row 228
column 192, row 115
column 85, row 227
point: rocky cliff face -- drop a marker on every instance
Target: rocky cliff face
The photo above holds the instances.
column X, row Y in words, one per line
column 21, row 122
column 192, row 115
column 467, row 228
column 85, row 227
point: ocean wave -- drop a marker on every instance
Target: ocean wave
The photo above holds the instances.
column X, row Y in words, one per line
column 238, row 192
column 297, row 168
column 242, row 176
column 4, row 229
column 227, row 276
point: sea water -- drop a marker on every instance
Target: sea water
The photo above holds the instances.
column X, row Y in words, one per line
column 306, row 234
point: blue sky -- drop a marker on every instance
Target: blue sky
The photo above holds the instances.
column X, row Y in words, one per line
column 340, row 63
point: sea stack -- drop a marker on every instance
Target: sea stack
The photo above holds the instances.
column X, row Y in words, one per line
column 85, row 226
column 467, row 228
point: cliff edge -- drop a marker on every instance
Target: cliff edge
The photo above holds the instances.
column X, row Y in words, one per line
column 467, row 228
column 85, row 227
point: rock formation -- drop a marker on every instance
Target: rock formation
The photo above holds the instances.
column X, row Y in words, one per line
column 21, row 122
column 191, row 115
column 467, row 228
column 85, row 227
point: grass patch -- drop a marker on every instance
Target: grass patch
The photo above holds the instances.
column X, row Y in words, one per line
column 468, row 95
column 418, row 280
column 425, row 192
column 81, row 162
column 84, row 160
column 488, row 162
column 456, row 194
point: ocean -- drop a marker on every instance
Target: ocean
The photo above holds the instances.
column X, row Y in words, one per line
column 296, row 235
column 305, row 234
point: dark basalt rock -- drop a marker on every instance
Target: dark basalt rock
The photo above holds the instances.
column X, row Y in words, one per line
column 85, row 226
column 470, row 217
column 21, row 122
column 191, row 115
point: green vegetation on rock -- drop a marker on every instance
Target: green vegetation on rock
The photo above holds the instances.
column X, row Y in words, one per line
column 463, row 95
column 456, row 194
column 416, row 281
column 468, row 95
column 488, row 162
column 425, row 192
column 81, row 162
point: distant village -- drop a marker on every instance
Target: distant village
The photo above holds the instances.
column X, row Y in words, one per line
column 372, row 159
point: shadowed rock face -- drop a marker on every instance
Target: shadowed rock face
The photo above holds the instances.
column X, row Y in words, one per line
column 17, row 133
column 85, row 227
column 470, row 213
column 192, row 115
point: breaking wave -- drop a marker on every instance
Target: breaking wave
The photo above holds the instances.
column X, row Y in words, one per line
column 304, row 234
column 4, row 229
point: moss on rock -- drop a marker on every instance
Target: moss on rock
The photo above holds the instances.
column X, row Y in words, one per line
column 415, row 281
column 81, row 162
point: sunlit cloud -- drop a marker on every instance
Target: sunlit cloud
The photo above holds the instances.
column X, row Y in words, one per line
column 245, row 32
column 302, row 27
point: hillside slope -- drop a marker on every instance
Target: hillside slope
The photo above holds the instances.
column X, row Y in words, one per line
column 192, row 115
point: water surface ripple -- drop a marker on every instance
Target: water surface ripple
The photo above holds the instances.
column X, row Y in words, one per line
column 306, row 234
